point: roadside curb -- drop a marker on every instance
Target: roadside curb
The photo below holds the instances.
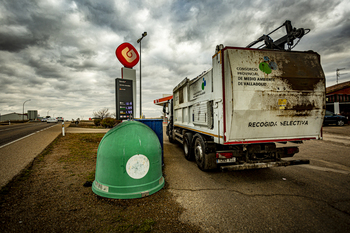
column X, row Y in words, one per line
column 85, row 130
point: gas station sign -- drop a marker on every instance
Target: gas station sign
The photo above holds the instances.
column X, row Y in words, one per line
column 124, row 99
column 127, row 55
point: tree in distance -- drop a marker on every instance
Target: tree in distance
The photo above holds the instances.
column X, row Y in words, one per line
column 103, row 113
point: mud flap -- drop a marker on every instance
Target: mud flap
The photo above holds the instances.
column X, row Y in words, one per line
column 247, row 166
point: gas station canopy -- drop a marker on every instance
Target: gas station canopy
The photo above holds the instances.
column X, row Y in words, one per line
column 162, row 101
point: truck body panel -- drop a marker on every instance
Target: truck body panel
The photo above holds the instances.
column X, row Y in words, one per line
column 272, row 95
column 254, row 96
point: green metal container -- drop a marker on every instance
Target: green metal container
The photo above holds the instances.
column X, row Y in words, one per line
column 128, row 162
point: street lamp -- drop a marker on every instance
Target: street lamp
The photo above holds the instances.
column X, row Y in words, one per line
column 139, row 41
column 23, row 109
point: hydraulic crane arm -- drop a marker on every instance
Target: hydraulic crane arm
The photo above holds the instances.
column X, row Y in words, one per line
column 292, row 34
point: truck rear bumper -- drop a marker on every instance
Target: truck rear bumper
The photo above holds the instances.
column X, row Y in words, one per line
column 247, row 166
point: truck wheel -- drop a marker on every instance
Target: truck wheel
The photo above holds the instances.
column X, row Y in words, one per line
column 171, row 140
column 170, row 134
column 188, row 150
column 340, row 123
column 204, row 161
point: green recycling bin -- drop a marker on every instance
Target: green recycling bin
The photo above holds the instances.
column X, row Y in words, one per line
column 129, row 162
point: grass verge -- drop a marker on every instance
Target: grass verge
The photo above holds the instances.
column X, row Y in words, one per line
column 50, row 196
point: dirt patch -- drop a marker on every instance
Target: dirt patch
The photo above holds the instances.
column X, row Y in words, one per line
column 50, row 197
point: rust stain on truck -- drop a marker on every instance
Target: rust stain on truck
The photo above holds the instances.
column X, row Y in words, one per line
column 300, row 82
column 302, row 75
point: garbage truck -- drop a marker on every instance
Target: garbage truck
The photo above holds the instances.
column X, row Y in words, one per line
column 252, row 108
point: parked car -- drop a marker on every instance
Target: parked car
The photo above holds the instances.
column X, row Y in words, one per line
column 51, row 120
column 44, row 119
column 60, row 119
column 332, row 118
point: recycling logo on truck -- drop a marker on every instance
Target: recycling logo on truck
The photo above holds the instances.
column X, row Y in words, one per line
column 204, row 83
column 267, row 66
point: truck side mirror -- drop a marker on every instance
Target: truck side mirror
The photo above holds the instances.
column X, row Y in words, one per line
column 164, row 108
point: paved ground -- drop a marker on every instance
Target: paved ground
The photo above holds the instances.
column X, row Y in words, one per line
column 342, row 139
column 304, row 198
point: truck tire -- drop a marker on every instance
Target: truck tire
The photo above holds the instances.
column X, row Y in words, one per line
column 187, row 144
column 204, row 160
column 171, row 139
column 169, row 132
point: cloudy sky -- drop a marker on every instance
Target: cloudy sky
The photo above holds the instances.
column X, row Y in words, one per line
column 60, row 54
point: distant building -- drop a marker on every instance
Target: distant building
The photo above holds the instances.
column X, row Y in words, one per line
column 338, row 98
column 13, row 117
column 32, row 114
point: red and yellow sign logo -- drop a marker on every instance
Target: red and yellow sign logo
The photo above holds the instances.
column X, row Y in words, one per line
column 127, row 55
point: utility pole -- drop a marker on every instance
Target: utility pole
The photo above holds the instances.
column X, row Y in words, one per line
column 337, row 73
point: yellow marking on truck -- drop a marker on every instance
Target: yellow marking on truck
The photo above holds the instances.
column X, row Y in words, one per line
column 282, row 103
column 217, row 54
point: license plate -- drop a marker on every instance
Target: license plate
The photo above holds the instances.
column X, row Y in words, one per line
column 230, row 160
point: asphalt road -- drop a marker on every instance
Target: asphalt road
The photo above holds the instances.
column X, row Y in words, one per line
column 18, row 154
column 9, row 133
column 303, row 198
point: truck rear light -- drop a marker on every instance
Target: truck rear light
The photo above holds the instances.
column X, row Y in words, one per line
column 291, row 150
column 224, row 155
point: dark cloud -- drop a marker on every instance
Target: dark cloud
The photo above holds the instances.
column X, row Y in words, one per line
column 22, row 26
column 110, row 14
column 15, row 43
column 61, row 55
column 46, row 69
column 98, row 12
